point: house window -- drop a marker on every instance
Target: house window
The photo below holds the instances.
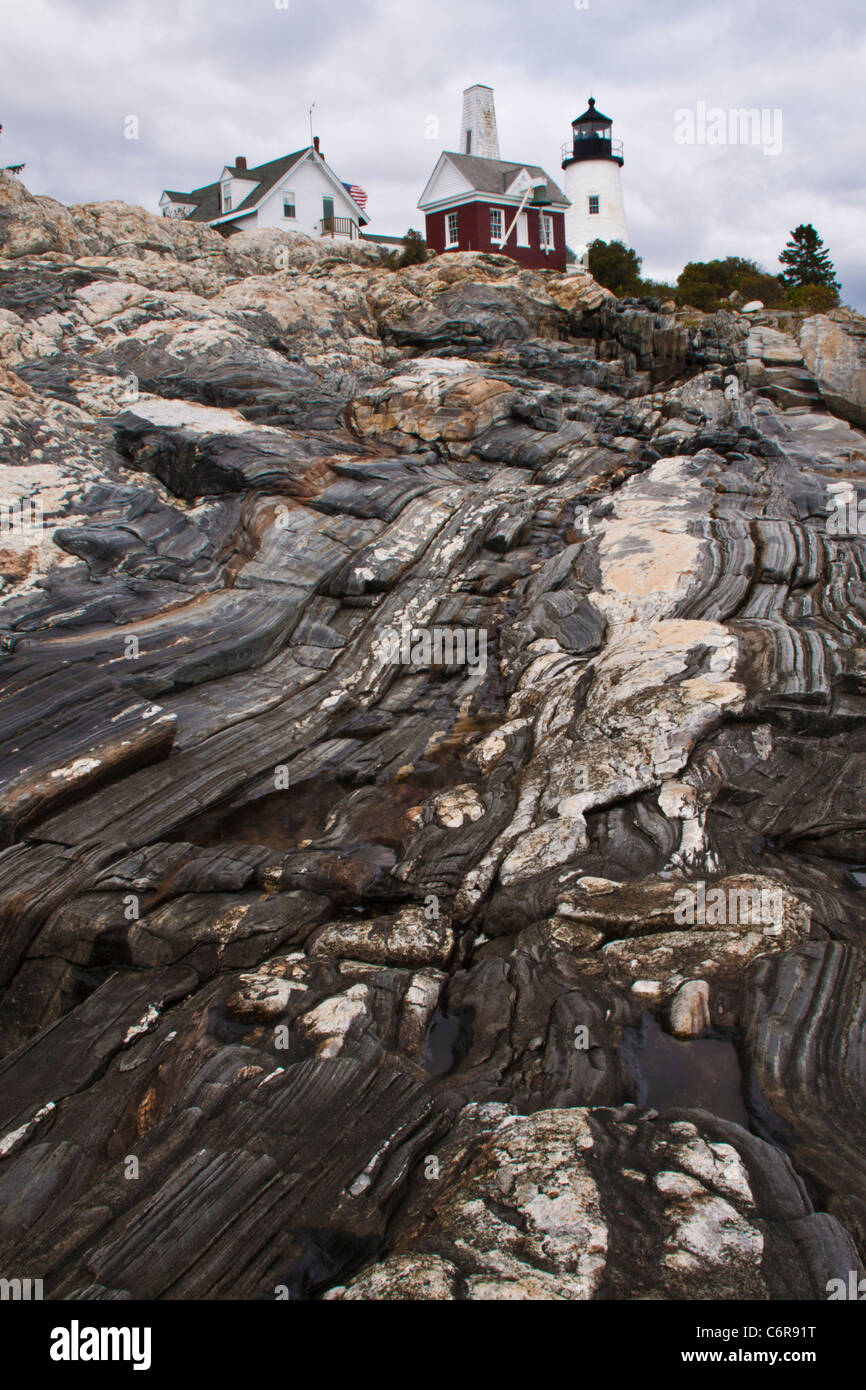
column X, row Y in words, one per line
column 453, row 229
column 289, row 205
column 523, row 230
column 496, row 225
column 227, row 197
column 546, row 232
column 593, row 203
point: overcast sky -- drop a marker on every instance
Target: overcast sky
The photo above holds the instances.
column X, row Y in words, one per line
column 212, row 79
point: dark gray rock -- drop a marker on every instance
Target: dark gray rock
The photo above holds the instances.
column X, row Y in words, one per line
column 411, row 682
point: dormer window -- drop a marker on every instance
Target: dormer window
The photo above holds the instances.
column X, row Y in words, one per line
column 227, row 197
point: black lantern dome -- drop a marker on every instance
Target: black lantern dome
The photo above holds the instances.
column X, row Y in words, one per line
column 591, row 138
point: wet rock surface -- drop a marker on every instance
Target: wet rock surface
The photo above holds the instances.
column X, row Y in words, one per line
column 434, row 729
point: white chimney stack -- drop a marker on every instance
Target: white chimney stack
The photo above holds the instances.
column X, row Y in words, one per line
column 478, row 134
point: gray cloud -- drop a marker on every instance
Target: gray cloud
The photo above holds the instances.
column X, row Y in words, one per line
column 210, row 79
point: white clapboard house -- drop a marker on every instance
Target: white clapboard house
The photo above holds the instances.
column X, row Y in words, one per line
column 299, row 192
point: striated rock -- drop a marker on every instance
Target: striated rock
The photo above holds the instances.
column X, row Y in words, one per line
column 834, row 349
column 523, row 1221
column 776, row 367
column 803, row 1029
column 330, row 1022
column 424, row 692
column 410, row 938
column 439, row 400
column 259, row 999
column 524, row 1207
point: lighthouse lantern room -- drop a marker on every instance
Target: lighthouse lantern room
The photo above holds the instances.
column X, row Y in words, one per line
column 592, row 161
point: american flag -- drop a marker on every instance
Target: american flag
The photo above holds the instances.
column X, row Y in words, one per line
column 358, row 194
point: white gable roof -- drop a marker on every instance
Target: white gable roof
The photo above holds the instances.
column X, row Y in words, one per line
column 519, row 185
column 460, row 177
column 325, row 169
column 446, row 181
column 258, row 184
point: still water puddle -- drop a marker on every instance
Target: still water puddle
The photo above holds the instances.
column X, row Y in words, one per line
column 665, row 1073
column 446, row 1042
column 701, row 1073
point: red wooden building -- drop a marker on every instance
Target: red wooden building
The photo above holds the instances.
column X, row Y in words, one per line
column 470, row 204
column 475, row 201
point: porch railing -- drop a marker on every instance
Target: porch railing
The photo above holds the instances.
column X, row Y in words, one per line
column 340, row 226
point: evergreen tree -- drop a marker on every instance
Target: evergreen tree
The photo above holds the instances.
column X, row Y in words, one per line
column 806, row 260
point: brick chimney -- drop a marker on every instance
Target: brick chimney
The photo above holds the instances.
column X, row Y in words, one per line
column 478, row 134
column 316, row 146
column 241, row 164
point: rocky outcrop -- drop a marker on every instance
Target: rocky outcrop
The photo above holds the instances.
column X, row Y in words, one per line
column 803, row 1025
column 545, row 1206
column 834, row 349
column 434, row 712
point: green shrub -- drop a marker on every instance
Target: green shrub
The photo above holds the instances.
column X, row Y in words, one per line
column 657, row 289
column 414, row 250
column 814, row 299
column 708, row 285
column 615, row 266
column 11, row 168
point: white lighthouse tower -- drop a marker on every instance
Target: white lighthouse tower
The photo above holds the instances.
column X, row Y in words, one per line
column 592, row 160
